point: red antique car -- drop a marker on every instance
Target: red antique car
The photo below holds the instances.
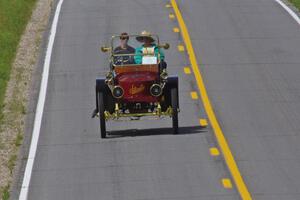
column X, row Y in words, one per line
column 133, row 91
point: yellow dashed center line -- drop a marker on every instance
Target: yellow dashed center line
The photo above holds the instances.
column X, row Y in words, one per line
column 176, row 30
column 194, row 95
column 180, row 48
column 226, row 182
column 214, row 151
column 203, row 122
column 224, row 147
column 168, row 6
column 171, row 16
column 187, row 70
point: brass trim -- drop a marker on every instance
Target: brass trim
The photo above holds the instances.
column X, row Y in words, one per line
column 117, row 114
column 105, row 49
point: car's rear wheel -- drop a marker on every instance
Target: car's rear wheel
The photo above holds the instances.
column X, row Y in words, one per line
column 101, row 114
column 174, row 103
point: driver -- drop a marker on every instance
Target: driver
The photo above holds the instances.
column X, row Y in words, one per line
column 124, row 48
column 148, row 48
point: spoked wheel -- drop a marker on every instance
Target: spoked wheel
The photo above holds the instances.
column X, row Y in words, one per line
column 101, row 114
column 174, row 103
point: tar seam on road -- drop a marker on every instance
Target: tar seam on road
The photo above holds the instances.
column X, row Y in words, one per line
column 290, row 11
column 229, row 159
column 40, row 107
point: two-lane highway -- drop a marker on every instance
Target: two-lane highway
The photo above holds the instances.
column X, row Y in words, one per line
column 248, row 53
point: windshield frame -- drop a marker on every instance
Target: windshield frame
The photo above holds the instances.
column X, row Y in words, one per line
column 113, row 55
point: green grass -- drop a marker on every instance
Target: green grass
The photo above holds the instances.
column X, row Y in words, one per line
column 296, row 3
column 12, row 163
column 5, row 192
column 14, row 15
column 19, row 139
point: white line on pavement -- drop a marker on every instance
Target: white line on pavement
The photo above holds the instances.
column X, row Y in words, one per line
column 40, row 107
column 290, row 11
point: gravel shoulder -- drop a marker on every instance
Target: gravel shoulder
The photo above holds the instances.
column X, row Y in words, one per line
column 16, row 104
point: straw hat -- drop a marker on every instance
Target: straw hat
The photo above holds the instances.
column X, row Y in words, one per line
column 144, row 34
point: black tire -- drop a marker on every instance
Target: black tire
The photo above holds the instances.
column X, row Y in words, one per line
column 101, row 114
column 174, row 103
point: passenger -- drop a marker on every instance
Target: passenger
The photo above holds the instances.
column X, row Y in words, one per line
column 149, row 48
column 124, row 48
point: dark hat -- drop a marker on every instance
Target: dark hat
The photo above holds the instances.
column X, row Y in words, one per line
column 145, row 34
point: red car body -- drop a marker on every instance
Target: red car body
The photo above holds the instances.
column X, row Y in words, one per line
column 136, row 82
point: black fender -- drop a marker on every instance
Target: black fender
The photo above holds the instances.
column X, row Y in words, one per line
column 109, row 102
column 172, row 82
column 101, row 85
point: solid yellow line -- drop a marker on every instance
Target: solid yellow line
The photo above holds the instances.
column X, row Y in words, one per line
column 228, row 157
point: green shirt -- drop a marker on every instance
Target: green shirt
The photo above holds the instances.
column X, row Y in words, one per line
column 139, row 54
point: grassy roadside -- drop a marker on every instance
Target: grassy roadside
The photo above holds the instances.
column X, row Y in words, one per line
column 14, row 15
column 296, row 3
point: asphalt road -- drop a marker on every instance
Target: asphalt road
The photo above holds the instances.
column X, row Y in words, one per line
column 249, row 56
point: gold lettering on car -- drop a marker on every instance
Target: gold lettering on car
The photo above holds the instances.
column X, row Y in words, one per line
column 136, row 89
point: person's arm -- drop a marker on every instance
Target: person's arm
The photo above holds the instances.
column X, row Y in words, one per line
column 138, row 56
column 159, row 51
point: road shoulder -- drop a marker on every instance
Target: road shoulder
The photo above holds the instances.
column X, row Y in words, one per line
column 20, row 96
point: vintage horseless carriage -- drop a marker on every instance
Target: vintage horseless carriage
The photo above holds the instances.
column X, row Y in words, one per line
column 132, row 90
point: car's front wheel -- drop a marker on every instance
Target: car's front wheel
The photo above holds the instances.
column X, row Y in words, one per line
column 174, row 103
column 101, row 114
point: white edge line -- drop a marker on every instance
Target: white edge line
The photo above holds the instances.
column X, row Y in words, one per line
column 290, row 11
column 40, row 107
